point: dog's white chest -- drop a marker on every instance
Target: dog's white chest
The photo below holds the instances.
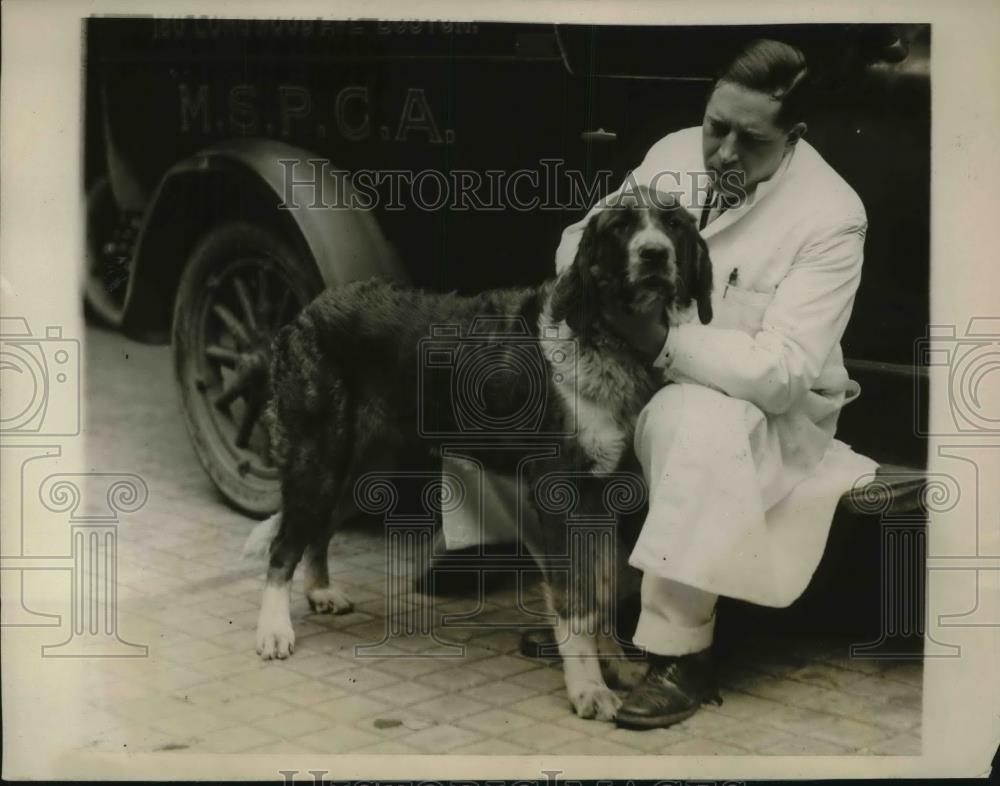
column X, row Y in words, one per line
column 599, row 435
column 593, row 388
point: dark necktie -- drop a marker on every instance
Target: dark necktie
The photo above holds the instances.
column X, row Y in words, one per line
column 706, row 210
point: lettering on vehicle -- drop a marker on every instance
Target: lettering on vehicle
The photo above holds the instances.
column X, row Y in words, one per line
column 208, row 27
column 291, row 111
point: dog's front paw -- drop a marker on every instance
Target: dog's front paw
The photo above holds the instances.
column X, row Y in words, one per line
column 595, row 701
column 275, row 640
column 329, row 600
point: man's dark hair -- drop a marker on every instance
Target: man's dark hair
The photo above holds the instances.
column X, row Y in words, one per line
column 777, row 69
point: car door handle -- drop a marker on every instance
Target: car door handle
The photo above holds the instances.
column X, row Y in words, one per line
column 600, row 135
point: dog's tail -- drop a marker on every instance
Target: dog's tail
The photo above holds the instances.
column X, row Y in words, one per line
column 258, row 543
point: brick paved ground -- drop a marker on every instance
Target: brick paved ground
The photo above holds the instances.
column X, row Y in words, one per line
column 187, row 593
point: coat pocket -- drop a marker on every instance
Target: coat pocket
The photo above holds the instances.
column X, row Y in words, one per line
column 737, row 308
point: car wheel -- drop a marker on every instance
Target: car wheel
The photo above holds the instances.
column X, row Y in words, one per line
column 242, row 282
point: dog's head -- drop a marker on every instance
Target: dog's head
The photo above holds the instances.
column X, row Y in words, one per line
column 640, row 248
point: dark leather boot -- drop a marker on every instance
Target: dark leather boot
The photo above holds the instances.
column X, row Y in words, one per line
column 673, row 689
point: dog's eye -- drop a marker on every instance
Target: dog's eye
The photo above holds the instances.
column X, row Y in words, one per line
column 671, row 220
column 619, row 223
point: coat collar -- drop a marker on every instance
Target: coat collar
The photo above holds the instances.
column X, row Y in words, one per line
column 765, row 187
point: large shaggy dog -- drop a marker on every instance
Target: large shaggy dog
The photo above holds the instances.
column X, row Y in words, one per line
column 345, row 378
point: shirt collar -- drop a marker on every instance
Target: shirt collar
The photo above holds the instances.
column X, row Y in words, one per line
column 763, row 188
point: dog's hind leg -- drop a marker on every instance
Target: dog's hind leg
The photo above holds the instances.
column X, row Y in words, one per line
column 322, row 596
column 275, row 636
column 310, row 433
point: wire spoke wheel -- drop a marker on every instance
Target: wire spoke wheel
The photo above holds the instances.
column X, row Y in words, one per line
column 241, row 285
column 235, row 355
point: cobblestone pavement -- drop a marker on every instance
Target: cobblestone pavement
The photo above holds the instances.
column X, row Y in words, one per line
column 187, row 593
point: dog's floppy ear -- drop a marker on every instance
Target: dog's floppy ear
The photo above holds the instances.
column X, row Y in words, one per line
column 575, row 295
column 702, row 279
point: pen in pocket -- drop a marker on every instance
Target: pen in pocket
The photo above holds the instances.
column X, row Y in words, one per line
column 733, row 278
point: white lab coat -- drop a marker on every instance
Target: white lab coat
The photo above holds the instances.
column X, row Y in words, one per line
column 748, row 470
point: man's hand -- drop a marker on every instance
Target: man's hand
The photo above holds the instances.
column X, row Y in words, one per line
column 644, row 330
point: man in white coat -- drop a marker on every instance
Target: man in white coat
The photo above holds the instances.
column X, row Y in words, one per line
column 738, row 453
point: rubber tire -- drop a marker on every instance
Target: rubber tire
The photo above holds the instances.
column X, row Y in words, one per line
column 219, row 245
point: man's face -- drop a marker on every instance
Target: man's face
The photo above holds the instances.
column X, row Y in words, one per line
column 742, row 142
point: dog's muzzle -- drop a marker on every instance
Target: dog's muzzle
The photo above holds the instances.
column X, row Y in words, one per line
column 652, row 266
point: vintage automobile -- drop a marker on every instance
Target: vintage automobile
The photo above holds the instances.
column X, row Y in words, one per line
column 199, row 130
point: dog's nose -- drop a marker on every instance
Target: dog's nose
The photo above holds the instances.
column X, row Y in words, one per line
column 653, row 253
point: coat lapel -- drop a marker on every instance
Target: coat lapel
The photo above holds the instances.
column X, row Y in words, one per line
column 733, row 215
column 728, row 218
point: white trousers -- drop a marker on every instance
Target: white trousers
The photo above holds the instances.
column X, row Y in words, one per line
column 676, row 619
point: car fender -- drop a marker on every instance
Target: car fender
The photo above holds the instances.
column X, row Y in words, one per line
column 244, row 178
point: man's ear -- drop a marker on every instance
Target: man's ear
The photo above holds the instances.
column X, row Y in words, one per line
column 796, row 132
column 703, row 280
column 575, row 296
